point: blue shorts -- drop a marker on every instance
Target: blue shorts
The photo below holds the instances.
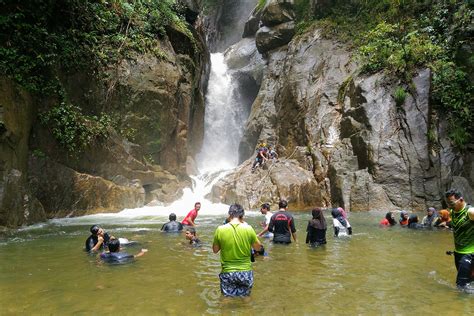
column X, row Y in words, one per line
column 238, row 283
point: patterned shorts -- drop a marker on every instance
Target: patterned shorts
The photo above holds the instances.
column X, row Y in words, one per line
column 238, row 283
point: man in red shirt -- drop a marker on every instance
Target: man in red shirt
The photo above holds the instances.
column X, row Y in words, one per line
column 189, row 219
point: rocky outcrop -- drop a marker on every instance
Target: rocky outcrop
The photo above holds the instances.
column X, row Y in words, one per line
column 277, row 26
column 17, row 204
column 365, row 151
column 281, row 179
column 156, row 102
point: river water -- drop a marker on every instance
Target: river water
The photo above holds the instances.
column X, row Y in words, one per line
column 44, row 271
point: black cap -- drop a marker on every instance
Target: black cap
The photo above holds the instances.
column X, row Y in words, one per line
column 95, row 229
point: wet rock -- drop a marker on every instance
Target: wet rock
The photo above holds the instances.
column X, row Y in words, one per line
column 269, row 38
column 284, row 179
column 278, row 12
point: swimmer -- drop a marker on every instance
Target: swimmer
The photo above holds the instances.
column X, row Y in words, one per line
column 403, row 218
column 389, row 220
column 172, row 226
column 97, row 240
column 115, row 256
column 191, row 236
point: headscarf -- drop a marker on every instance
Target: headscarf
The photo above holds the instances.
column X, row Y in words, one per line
column 336, row 213
column 343, row 212
column 318, row 221
column 402, row 218
column 430, row 219
column 444, row 215
column 390, row 219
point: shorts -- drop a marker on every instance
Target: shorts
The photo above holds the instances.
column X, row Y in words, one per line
column 238, row 283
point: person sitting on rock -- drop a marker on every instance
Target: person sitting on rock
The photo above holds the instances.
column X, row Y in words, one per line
column 172, row 226
column 262, row 156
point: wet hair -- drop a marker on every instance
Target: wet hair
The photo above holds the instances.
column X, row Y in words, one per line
column 114, row 245
column 94, row 229
column 457, row 194
column 172, row 217
column 265, row 206
column 191, row 230
column 389, row 216
column 236, row 210
column 413, row 219
column 283, row 204
column 197, row 203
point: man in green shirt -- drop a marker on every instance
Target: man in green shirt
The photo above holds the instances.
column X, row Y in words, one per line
column 235, row 240
column 462, row 221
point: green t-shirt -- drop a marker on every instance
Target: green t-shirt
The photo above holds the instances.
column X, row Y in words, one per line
column 463, row 229
column 235, row 241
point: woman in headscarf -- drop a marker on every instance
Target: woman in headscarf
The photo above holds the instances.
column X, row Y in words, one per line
column 430, row 217
column 342, row 227
column 403, row 218
column 316, row 230
column 389, row 220
column 443, row 220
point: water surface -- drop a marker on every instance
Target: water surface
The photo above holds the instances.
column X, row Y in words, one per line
column 43, row 270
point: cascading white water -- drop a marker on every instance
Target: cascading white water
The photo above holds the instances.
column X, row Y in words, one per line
column 223, row 121
column 223, row 124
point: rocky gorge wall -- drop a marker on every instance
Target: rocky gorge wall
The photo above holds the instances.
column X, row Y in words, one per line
column 341, row 136
column 157, row 101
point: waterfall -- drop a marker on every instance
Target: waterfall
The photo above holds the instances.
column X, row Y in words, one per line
column 223, row 122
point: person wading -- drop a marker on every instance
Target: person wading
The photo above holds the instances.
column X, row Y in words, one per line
column 234, row 240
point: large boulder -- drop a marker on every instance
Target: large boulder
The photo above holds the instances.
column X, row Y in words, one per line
column 277, row 12
column 269, row 38
column 65, row 192
column 284, row 179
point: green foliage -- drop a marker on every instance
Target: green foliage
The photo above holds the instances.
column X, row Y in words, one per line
column 400, row 36
column 261, row 4
column 400, row 96
column 453, row 94
column 39, row 36
column 72, row 129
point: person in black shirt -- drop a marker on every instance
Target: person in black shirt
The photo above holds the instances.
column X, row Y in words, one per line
column 316, row 229
column 172, row 226
column 97, row 240
column 282, row 225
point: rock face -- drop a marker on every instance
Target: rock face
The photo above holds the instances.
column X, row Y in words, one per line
column 158, row 107
column 282, row 179
column 277, row 25
column 364, row 151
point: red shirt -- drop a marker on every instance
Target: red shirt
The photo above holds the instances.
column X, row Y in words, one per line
column 385, row 222
column 191, row 215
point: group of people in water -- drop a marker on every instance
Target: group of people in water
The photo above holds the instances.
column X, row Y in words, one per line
column 238, row 242
column 441, row 219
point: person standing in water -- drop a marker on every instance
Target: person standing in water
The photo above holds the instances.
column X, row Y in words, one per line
column 462, row 221
column 234, row 241
column 430, row 217
column 172, row 226
column 389, row 220
column 316, row 230
column 190, row 235
column 115, row 256
column 342, row 227
column 189, row 220
column 265, row 210
column 282, row 225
